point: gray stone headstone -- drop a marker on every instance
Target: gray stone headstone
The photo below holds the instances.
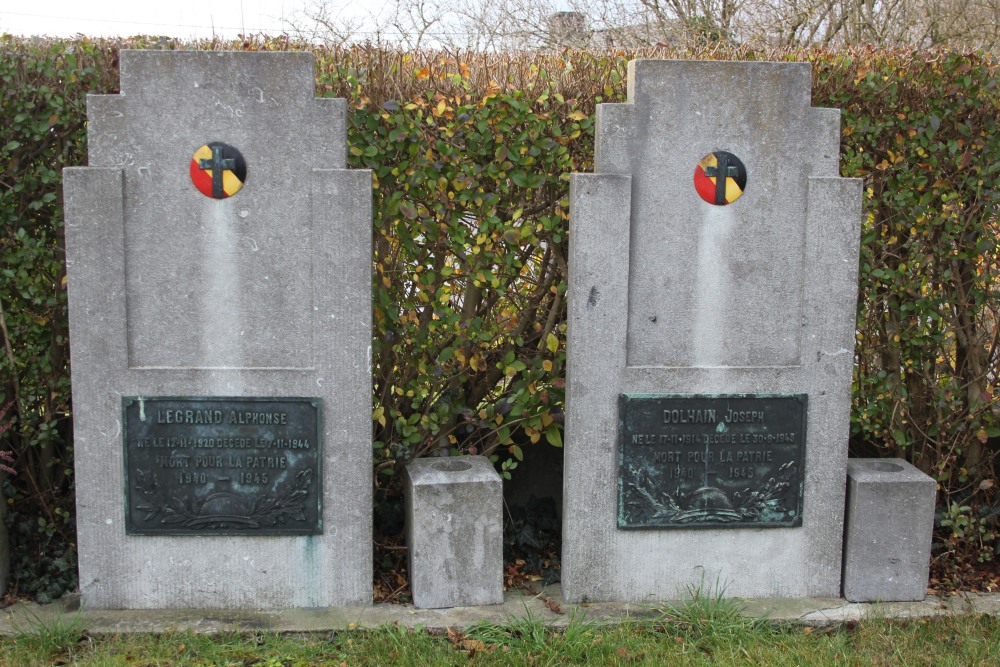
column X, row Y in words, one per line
column 673, row 296
column 890, row 524
column 264, row 294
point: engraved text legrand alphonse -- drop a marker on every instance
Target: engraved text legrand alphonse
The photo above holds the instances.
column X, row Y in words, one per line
column 205, row 465
column 188, row 416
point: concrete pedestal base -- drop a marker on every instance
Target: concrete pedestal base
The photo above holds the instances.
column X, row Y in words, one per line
column 887, row 544
column 454, row 529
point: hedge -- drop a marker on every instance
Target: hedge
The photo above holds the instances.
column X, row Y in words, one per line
column 471, row 155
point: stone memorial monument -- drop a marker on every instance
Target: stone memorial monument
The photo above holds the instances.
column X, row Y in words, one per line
column 712, row 288
column 219, row 261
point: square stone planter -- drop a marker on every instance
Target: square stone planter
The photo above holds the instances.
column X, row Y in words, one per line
column 887, row 531
column 454, row 530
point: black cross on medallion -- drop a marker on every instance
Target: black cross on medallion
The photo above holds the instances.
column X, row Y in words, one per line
column 217, row 164
column 721, row 172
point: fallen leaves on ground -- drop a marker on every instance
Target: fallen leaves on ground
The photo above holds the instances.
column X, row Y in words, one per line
column 953, row 576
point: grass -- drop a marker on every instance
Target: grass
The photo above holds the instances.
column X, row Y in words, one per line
column 703, row 631
column 49, row 637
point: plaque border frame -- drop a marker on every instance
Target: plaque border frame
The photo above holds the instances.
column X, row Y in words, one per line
column 314, row 401
column 796, row 522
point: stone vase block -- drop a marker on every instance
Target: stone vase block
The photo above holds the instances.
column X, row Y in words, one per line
column 454, row 530
column 887, row 544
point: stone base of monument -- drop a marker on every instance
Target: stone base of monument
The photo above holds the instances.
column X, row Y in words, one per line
column 454, row 530
column 887, row 543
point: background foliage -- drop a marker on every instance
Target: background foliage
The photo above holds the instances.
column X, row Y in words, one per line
column 471, row 155
column 525, row 25
column 922, row 129
column 42, row 115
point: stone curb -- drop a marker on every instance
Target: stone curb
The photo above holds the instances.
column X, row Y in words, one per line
column 549, row 606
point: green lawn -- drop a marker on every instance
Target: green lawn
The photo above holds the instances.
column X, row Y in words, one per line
column 685, row 636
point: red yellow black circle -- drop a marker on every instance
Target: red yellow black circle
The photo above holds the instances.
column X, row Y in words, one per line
column 720, row 178
column 218, row 170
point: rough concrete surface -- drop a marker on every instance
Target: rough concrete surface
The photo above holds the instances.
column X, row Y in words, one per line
column 817, row 612
column 266, row 293
column 454, row 529
column 669, row 294
column 888, row 531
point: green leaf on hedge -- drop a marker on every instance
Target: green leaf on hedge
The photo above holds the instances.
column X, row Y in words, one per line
column 408, row 209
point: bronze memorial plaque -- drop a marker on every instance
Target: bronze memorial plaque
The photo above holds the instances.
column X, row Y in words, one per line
column 718, row 461
column 222, row 466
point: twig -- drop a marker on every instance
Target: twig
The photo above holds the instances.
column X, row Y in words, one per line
column 13, row 366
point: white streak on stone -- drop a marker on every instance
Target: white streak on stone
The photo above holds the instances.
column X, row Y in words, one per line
column 712, row 286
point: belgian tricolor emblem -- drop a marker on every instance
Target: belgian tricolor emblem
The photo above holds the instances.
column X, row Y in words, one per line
column 720, row 178
column 218, row 170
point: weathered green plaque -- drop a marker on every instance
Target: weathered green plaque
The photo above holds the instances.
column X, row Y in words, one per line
column 206, row 465
column 688, row 461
